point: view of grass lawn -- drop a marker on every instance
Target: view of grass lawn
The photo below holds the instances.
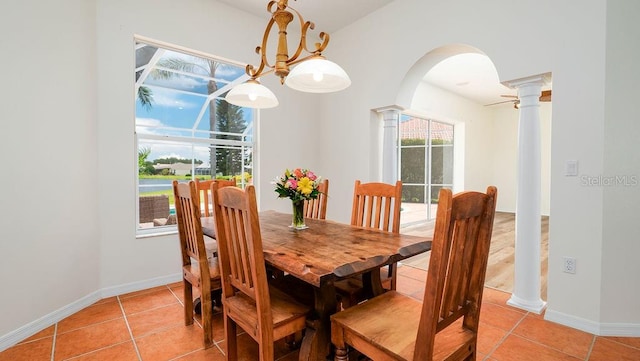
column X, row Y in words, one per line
column 167, row 192
column 170, row 178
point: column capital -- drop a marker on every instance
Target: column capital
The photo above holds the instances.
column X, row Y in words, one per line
column 541, row 80
column 394, row 109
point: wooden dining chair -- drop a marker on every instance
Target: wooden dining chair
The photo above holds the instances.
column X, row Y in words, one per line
column 317, row 208
column 375, row 206
column 203, row 187
column 194, row 276
column 263, row 312
column 204, row 192
column 444, row 326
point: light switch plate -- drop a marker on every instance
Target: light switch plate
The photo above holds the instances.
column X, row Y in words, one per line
column 571, row 168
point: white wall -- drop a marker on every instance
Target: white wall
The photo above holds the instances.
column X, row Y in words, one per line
column 575, row 224
column 621, row 211
column 49, row 215
column 505, row 156
column 289, row 139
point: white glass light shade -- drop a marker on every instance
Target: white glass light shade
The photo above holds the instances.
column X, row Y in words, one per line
column 317, row 75
column 252, row 94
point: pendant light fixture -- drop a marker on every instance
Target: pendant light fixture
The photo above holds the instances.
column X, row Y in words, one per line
column 312, row 73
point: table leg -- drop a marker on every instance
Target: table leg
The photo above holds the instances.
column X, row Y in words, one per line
column 372, row 283
column 325, row 306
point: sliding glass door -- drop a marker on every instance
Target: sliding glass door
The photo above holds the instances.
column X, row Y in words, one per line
column 426, row 166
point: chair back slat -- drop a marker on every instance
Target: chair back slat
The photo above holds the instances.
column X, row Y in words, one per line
column 238, row 249
column 189, row 225
column 457, row 266
column 204, row 196
column 457, row 281
column 317, row 208
column 204, row 193
column 377, row 205
column 240, row 243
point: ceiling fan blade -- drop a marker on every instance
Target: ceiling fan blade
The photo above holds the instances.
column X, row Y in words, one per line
column 502, row 102
column 508, row 96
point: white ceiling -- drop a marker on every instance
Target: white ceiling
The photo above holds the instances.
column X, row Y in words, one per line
column 327, row 15
column 472, row 76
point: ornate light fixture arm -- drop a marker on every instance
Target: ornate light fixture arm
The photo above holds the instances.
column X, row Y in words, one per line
column 262, row 51
column 313, row 73
column 303, row 41
column 282, row 17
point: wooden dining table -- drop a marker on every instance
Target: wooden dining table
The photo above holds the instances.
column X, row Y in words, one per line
column 324, row 253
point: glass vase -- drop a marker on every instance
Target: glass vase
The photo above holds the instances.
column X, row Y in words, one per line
column 298, row 215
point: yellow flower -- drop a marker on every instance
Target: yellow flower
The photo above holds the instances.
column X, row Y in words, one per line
column 305, row 186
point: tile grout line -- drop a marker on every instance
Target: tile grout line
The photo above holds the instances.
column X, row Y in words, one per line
column 53, row 343
column 593, row 343
column 176, row 296
column 215, row 344
column 543, row 344
column 82, row 355
column 618, row 342
column 509, row 332
column 126, row 322
column 195, row 319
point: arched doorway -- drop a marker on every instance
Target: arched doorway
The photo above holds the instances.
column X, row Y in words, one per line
column 486, row 138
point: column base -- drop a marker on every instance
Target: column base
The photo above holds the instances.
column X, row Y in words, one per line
column 531, row 306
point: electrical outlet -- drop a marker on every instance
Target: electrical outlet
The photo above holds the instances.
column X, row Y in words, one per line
column 569, row 265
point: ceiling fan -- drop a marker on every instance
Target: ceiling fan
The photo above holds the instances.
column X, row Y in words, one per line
column 544, row 97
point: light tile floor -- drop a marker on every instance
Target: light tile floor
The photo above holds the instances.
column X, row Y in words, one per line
column 148, row 325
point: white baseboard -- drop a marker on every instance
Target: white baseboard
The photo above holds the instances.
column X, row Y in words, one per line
column 600, row 329
column 572, row 321
column 52, row 318
column 620, row 329
column 140, row 285
column 40, row 324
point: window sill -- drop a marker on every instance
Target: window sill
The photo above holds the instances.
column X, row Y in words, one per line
column 156, row 232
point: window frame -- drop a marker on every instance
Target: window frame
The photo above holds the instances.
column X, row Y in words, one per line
column 427, row 185
column 246, row 141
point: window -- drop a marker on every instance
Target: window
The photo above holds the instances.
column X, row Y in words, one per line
column 184, row 127
column 426, row 165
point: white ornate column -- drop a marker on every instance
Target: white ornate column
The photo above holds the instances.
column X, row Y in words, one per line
column 526, row 288
column 391, row 119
